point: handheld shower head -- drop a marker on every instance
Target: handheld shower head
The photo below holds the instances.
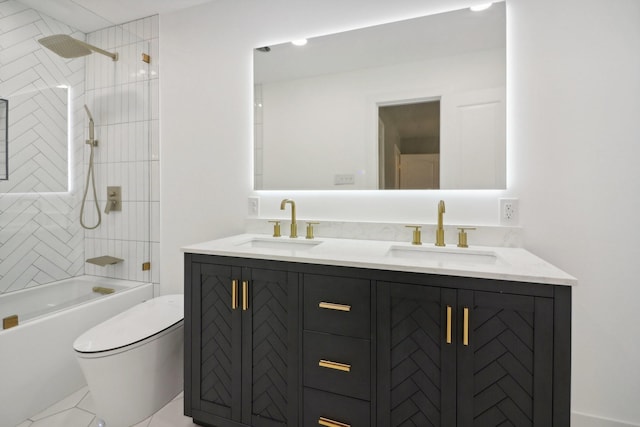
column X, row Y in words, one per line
column 68, row 47
column 88, row 112
column 91, row 140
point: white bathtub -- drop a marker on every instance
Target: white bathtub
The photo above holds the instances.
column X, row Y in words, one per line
column 38, row 366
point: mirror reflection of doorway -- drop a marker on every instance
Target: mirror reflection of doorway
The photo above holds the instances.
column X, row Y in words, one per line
column 409, row 138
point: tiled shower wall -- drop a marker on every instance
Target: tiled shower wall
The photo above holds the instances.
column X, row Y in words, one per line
column 40, row 238
column 123, row 99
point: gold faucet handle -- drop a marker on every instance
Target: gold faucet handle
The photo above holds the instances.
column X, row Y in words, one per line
column 417, row 234
column 310, row 229
column 462, row 236
column 276, row 228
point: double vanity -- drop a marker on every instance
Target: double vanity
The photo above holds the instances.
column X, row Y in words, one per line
column 338, row 332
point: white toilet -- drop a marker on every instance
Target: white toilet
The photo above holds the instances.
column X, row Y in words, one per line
column 133, row 361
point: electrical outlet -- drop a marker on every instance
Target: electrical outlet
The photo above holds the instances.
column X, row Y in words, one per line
column 254, row 206
column 508, row 211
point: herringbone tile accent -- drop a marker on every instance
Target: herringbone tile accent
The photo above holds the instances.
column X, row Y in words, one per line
column 40, row 240
column 415, row 363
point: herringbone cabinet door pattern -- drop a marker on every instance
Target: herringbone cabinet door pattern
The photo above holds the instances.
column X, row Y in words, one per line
column 216, row 348
column 503, row 367
column 415, row 362
column 416, row 370
column 269, row 347
column 502, row 373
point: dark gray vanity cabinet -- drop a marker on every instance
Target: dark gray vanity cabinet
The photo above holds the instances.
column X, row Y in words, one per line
column 273, row 343
column 241, row 343
column 452, row 355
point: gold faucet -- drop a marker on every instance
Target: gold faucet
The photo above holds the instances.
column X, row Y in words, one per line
column 440, row 229
column 294, row 226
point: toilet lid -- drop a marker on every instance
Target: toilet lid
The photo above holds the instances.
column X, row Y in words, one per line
column 133, row 325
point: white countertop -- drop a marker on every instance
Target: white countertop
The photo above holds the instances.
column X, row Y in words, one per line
column 515, row 264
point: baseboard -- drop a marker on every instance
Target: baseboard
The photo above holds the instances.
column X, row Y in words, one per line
column 586, row 420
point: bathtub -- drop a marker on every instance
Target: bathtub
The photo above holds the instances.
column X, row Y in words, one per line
column 38, row 366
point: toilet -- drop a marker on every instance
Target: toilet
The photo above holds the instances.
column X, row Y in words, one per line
column 133, row 362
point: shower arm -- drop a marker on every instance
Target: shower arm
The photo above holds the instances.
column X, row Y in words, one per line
column 113, row 56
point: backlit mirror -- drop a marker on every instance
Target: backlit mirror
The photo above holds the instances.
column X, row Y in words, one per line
column 38, row 150
column 415, row 104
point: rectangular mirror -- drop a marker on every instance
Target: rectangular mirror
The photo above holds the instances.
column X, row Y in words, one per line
column 414, row 104
column 38, row 152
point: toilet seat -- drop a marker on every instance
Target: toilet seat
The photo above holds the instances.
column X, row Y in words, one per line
column 133, row 327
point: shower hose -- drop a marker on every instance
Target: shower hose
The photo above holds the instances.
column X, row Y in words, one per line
column 91, row 174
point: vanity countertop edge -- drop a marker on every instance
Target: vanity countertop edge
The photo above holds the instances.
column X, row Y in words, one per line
column 513, row 264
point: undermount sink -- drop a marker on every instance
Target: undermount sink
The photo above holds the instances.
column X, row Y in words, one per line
column 444, row 255
column 284, row 244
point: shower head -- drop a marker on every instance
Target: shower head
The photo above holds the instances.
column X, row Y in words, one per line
column 88, row 112
column 68, row 47
column 91, row 141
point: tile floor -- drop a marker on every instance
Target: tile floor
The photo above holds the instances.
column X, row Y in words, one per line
column 77, row 410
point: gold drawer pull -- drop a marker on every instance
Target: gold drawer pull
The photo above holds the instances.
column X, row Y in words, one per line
column 234, row 294
column 334, row 365
column 331, row 423
column 333, row 306
column 465, row 327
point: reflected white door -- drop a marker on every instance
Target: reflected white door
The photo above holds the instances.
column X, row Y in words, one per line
column 473, row 140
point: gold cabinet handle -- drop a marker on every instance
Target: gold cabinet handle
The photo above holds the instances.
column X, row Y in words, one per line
column 245, row 295
column 234, row 294
column 465, row 326
column 334, row 365
column 333, row 306
column 449, row 324
column 331, row 423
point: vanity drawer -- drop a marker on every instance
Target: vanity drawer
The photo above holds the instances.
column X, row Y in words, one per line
column 337, row 364
column 334, row 408
column 337, row 305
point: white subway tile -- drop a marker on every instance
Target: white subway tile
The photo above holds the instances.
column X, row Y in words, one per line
column 155, row 140
column 155, row 181
column 141, row 143
column 154, row 218
column 155, row 101
column 155, row 262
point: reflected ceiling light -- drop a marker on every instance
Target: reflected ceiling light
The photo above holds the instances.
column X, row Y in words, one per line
column 480, row 7
column 299, row 42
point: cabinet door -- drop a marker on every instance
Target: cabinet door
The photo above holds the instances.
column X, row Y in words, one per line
column 270, row 348
column 216, row 351
column 505, row 367
column 416, row 362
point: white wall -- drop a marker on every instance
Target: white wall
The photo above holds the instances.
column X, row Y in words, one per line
column 573, row 105
column 575, row 116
